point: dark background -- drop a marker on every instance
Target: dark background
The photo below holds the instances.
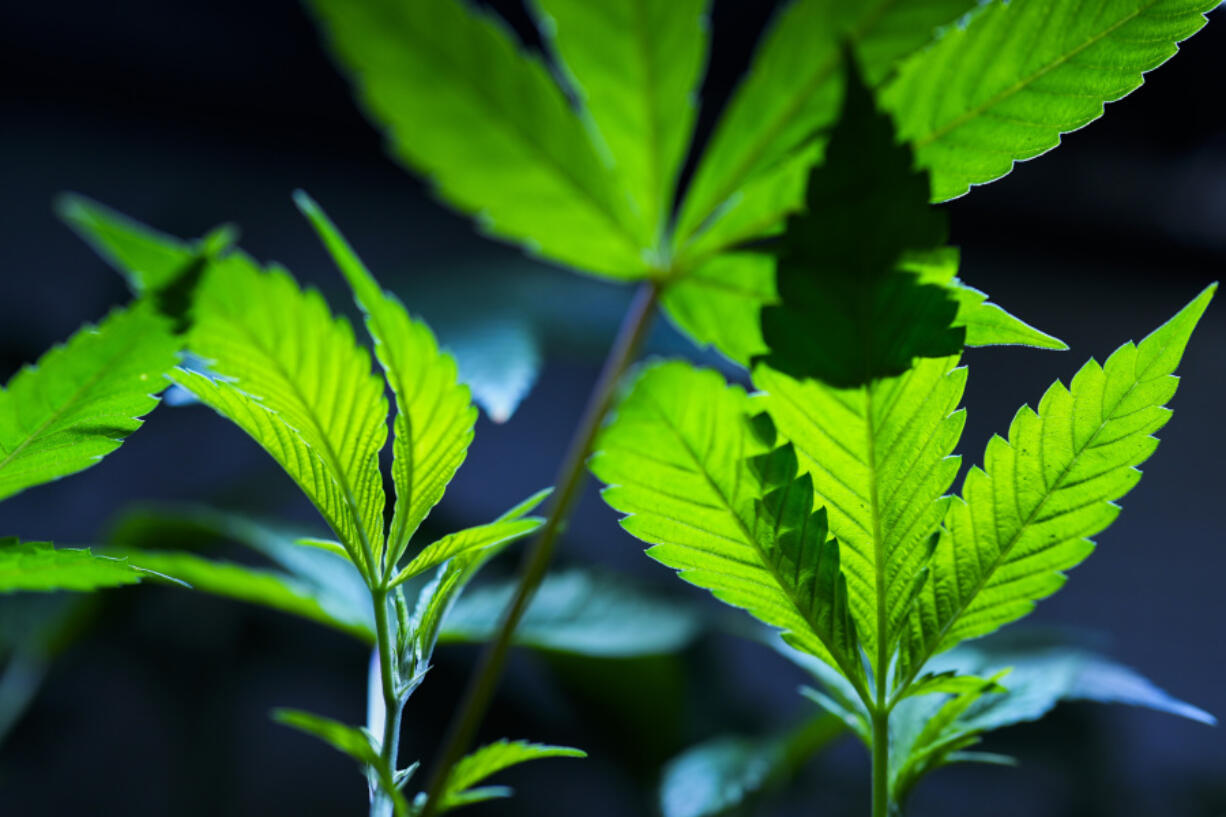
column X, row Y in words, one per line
column 189, row 114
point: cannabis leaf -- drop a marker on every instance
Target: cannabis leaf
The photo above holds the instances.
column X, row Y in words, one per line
column 636, row 66
column 292, row 377
column 434, row 413
column 1019, row 74
column 723, row 506
column 461, row 788
column 1026, row 516
column 880, row 460
column 80, row 400
column 501, row 141
column 722, row 775
column 752, row 174
column 865, row 207
column 37, row 566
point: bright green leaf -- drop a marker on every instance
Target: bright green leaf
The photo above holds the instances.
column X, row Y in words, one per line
column 487, row 123
column 719, row 303
column 1027, row 515
column 1005, row 86
column 293, row 378
column 880, row 457
column 434, row 414
column 724, row 507
column 80, row 400
column 636, row 65
column 986, row 323
column 469, row 539
column 459, row 790
column 40, row 567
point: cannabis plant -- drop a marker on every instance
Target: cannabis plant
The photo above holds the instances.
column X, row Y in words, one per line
column 855, row 321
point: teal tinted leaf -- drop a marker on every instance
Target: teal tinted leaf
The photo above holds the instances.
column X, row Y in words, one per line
column 81, row 399
column 579, row 612
column 1005, row 86
column 636, row 66
column 880, row 457
column 718, row 303
column 1043, row 672
column 40, row 567
column 919, row 746
column 725, row 774
column 324, row 577
column 725, row 508
column 1028, row 515
column 434, row 415
column 986, row 323
column 469, row 539
column 292, row 377
column 752, row 174
column 846, row 313
column 499, row 360
column 461, row 786
column 267, row 588
column 502, row 141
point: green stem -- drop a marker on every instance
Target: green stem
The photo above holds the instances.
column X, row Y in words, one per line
column 392, row 703
column 881, row 763
column 570, row 479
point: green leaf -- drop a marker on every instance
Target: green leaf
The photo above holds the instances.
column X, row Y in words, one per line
column 40, row 567
column 356, row 743
column 267, row 588
column 1043, row 672
column 501, row 142
column 718, row 304
column 1005, row 86
column 636, row 65
column 434, row 413
column 880, row 457
column 579, row 612
column 919, row 746
column 728, row 773
column 846, row 313
column 986, row 323
column 724, row 507
column 752, row 174
column 322, row 576
column 950, row 682
column 1027, row 515
column 459, row 790
column 435, row 599
column 80, row 400
column 293, row 378
column 461, row 542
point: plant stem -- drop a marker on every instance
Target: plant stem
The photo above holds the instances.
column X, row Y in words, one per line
column 390, row 749
column 570, row 479
column 881, row 763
